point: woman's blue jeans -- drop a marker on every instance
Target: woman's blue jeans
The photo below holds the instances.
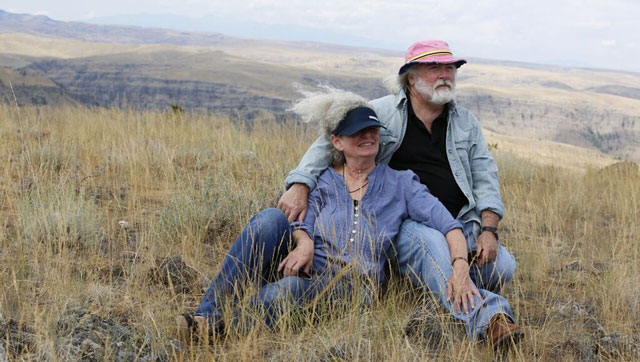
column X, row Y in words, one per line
column 422, row 254
column 254, row 258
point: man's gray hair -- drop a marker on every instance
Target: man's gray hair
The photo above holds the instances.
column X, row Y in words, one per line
column 395, row 83
column 327, row 106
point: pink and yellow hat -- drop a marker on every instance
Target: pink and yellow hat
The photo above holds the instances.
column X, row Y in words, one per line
column 429, row 52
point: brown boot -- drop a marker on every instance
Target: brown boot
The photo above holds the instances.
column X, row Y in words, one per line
column 190, row 327
column 186, row 326
column 502, row 333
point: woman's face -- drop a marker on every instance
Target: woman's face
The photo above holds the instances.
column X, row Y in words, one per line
column 363, row 144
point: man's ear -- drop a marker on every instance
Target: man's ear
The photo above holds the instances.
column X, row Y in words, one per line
column 336, row 143
column 411, row 78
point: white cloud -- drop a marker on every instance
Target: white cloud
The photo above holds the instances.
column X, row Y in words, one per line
column 608, row 43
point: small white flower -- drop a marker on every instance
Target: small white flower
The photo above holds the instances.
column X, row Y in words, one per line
column 123, row 224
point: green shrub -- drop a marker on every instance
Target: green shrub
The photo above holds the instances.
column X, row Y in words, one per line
column 211, row 210
column 60, row 218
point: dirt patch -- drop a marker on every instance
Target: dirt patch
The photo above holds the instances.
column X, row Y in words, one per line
column 174, row 273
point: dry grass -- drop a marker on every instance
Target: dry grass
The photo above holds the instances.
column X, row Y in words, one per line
column 34, row 46
column 549, row 153
column 77, row 284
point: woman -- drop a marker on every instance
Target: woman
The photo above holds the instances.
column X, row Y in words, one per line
column 355, row 212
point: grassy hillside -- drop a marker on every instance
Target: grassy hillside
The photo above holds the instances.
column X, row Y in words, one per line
column 113, row 221
column 548, row 153
column 30, row 87
column 35, row 46
column 588, row 108
column 158, row 76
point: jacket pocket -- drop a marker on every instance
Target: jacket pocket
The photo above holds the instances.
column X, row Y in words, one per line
column 463, row 150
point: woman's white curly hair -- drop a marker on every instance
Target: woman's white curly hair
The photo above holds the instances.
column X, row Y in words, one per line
column 327, row 106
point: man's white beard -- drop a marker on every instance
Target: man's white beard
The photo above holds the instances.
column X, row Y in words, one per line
column 437, row 96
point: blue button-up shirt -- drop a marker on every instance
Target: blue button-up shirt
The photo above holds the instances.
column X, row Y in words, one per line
column 362, row 234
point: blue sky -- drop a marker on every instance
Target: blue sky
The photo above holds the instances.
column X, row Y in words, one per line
column 588, row 33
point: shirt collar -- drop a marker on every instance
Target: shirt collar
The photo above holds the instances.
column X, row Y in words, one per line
column 444, row 116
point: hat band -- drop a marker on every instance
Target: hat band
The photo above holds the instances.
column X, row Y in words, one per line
column 429, row 54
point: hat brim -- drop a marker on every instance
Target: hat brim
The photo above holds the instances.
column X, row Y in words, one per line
column 350, row 131
column 449, row 60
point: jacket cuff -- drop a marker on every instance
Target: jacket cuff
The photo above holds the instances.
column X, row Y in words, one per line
column 297, row 177
column 298, row 225
column 491, row 205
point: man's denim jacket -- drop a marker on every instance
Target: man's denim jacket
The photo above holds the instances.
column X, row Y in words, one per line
column 471, row 163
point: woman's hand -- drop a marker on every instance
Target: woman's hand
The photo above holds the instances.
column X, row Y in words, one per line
column 299, row 258
column 460, row 288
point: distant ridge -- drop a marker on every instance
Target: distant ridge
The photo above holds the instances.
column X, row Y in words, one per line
column 44, row 26
column 161, row 67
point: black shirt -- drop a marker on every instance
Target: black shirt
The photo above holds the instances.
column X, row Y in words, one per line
column 425, row 154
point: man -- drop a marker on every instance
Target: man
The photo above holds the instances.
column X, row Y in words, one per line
column 429, row 133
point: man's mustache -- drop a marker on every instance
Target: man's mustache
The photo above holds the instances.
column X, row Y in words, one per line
column 440, row 82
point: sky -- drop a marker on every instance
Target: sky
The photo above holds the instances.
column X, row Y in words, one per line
column 583, row 33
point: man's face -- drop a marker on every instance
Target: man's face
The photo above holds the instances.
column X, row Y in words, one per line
column 435, row 82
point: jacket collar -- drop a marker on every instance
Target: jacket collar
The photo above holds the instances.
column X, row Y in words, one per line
column 401, row 99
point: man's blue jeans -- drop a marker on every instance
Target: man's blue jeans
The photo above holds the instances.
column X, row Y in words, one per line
column 422, row 254
column 254, row 257
column 493, row 276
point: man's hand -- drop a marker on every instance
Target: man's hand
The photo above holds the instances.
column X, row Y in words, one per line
column 486, row 248
column 299, row 258
column 294, row 202
column 486, row 243
column 461, row 289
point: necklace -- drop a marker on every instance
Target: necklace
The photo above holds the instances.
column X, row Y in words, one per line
column 345, row 181
column 359, row 188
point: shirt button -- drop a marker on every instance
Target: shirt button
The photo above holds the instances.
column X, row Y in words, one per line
column 351, row 239
column 457, row 173
column 353, row 231
column 355, row 223
column 356, row 208
column 356, row 215
column 450, row 151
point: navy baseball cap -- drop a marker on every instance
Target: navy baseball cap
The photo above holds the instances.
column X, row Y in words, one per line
column 356, row 120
